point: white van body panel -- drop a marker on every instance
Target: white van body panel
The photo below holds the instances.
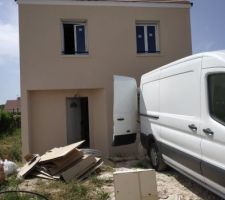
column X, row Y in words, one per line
column 182, row 100
column 177, row 85
column 124, row 109
column 213, row 60
column 180, row 106
column 150, row 88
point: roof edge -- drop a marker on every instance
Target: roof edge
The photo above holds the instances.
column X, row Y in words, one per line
column 128, row 3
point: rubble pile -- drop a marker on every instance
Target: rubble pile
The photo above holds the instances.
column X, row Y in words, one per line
column 65, row 163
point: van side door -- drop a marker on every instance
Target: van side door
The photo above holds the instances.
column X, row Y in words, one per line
column 180, row 136
column 213, row 127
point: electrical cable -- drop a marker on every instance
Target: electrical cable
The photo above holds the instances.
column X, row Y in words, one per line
column 24, row 191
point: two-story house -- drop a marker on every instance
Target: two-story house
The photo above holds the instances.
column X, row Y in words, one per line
column 69, row 52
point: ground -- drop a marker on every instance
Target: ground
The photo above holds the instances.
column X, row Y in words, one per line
column 171, row 185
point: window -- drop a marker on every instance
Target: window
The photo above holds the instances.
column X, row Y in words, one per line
column 74, row 38
column 216, row 86
column 147, row 37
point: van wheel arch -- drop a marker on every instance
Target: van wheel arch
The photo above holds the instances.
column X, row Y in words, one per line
column 155, row 155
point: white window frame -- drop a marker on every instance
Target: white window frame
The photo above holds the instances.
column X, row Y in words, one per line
column 75, row 24
column 145, row 25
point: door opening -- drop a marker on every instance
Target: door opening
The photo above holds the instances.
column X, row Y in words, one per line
column 77, row 120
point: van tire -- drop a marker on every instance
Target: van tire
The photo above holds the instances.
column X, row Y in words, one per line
column 156, row 158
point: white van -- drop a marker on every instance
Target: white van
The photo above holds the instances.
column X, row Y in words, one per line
column 182, row 115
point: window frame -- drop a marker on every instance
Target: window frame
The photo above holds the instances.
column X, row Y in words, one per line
column 157, row 37
column 210, row 99
column 75, row 23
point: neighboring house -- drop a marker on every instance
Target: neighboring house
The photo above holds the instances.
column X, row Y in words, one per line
column 13, row 106
column 69, row 52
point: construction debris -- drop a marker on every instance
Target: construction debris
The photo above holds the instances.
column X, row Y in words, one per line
column 7, row 167
column 29, row 166
column 64, row 163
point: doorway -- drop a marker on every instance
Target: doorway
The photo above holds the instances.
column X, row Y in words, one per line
column 77, row 120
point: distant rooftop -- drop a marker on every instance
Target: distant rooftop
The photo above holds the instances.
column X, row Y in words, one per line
column 12, row 106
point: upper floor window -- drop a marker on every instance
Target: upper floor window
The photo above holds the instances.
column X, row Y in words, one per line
column 75, row 41
column 147, row 36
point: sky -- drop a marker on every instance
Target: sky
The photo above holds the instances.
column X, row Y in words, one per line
column 207, row 25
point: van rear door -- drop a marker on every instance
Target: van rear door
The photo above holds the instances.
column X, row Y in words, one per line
column 124, row 110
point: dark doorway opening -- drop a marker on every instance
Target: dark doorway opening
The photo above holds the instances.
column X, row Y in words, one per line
column 78, row 120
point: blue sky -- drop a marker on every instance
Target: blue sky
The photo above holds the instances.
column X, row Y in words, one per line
column 207, row 24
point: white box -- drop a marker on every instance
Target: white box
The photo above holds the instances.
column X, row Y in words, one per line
column 135, row 185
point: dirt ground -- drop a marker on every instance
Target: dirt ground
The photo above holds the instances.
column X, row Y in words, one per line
column 171, row 185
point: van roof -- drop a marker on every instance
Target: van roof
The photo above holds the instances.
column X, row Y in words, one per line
column 216, row 54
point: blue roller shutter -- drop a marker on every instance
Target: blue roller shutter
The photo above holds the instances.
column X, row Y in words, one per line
column 151, row 39
column 80, row 34
column 140, row 39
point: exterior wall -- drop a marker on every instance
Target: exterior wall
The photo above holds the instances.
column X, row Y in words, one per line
column 48, row 114
column 48, row 77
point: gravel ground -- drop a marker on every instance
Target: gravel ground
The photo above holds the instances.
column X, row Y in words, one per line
column 171, row 185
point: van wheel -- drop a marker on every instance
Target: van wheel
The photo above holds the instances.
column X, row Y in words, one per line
column 156, row 158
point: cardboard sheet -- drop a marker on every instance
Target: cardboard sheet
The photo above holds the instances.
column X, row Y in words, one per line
column 59, row 152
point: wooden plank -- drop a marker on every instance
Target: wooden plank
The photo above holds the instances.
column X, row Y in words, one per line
column 42, row 174
column 29, row 166
column 56, row 166
column 98, row 164
column 79, row 168
column 59, row 152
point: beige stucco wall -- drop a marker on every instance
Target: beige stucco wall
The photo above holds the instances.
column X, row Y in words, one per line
column 48, row 77
column 48, row 114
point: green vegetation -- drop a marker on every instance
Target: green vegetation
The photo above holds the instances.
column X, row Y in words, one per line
column 10, row 136
column 143, row 164
column 9, row 122
column 10, row 144
column 6, row 122
column 59, row 190
column 2, row 107
column 12, row 184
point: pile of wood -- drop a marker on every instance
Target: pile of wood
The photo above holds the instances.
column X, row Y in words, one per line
column 65, row 163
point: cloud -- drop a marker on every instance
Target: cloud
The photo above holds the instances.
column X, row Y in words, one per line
column 9, row 34
column 9, row 12
column 9, row 51
column 9, row 42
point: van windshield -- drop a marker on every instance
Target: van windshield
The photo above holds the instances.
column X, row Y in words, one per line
column 216, row 85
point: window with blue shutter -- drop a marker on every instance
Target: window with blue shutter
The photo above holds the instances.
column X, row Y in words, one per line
column 74, row 38
column 151, row 39
column 80, row 34
column 140, row 39
column 147, row 38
